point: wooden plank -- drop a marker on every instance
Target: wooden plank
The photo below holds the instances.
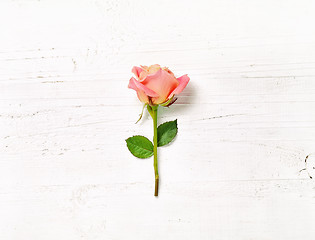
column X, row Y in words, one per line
column 242, row 164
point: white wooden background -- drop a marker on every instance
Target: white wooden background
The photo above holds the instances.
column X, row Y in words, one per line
column 246, row 120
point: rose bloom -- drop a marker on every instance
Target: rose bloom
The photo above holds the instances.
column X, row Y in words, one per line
column 155, row 84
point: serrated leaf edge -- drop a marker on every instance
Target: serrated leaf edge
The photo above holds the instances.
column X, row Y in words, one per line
column 142, row 148
column 175, row 134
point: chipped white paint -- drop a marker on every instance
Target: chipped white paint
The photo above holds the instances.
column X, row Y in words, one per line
column 246, row 120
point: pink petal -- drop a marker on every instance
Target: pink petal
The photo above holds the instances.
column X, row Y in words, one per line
column 183, row 81
column 151, row 76
column 132, row 85
column 142, row 96
column 136, row 71
column 162, row 83
column 135, row 85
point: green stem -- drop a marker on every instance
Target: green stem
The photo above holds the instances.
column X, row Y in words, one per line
column 155, row 163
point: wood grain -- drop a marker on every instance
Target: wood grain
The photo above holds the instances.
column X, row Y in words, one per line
column 242, row 164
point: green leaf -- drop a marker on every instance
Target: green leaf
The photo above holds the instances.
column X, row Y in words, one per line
column 140, row 146
column 166, row 132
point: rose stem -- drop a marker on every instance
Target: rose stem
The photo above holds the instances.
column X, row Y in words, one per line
column 155, row 163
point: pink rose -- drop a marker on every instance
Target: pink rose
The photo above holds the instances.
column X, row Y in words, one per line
column 155, row 85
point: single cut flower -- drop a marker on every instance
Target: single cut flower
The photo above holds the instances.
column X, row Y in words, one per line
column 155, row 84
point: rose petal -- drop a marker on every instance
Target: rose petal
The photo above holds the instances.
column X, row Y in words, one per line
column 135, row 85
column 157, row 74
column 146, row 71
column 154, row 68
column 183, row 81
column 144, row 67
column 162, row 83
column 142, row 96
column 136, row 71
